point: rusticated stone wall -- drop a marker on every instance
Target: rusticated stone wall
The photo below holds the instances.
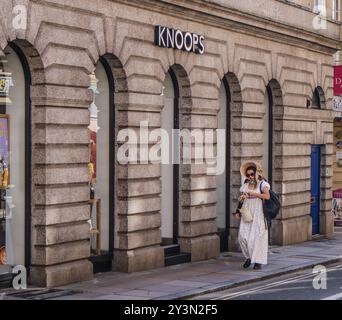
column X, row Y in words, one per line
column 63, row 42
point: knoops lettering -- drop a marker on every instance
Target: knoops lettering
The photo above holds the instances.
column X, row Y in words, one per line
column 172, row 38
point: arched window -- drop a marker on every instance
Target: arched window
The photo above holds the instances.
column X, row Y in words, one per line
column 177, row 104
column 223, row 187
column 101, row 166
column 15, row 159
column 268, row 134
column 170, row 171
column 318, row 98
column 273, row 107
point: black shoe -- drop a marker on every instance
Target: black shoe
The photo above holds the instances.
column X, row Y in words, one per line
column 257, row 266
column 247, row 263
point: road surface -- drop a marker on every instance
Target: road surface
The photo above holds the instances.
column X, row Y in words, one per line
column 326, row 284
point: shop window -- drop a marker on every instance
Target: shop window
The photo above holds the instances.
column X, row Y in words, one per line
column 13, row 142
column 100, row 173
column 318, row 99
column 267, row 136
column 169, row 116
column 223, row 188
column 274, row 109
column 221, row 180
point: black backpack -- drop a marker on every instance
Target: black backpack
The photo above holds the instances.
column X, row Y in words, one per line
column 272, row 206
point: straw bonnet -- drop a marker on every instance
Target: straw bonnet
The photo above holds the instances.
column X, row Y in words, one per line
column 259, row 169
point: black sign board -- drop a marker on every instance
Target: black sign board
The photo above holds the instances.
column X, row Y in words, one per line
column 172, row 38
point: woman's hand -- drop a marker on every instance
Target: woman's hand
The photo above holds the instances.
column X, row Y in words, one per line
column 237, row 216
column 243, row 196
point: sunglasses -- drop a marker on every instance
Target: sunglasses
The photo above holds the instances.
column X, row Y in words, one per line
column 250, row 175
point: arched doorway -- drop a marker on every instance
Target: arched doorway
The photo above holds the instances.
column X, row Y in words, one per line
column 318, row 102
column 271, row 137
column 102, row 166
column 16, row 163
column 273, row 110
column 176, row 92
column 268, row 134
column 170, row 172
column 229, row 182
column 223, row 187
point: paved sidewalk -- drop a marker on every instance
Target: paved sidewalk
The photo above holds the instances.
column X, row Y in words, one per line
column 184, row 281
column 187, row 280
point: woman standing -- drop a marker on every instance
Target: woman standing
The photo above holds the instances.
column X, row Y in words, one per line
column 253, row 235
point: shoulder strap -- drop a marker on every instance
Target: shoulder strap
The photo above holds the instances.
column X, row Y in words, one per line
column 261, row 186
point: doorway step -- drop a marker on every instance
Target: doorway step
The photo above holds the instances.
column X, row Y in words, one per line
column 102, row 263
column 318, row 237
column 173, row 256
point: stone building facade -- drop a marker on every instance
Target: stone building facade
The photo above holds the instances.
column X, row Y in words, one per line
column 269, row 59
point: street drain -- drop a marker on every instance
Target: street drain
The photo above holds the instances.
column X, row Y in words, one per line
column 44, row 294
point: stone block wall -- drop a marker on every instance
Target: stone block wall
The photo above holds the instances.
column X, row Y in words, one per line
column 63, row 43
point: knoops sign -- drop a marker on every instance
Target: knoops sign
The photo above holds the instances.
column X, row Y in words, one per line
column 172, row 38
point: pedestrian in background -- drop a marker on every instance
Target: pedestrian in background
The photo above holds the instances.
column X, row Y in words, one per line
column 253, row 232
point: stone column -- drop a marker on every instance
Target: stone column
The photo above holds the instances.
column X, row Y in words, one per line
column 137, row 219
column 197, row 215
column 60, row 209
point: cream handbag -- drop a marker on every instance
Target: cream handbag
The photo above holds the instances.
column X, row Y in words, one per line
column 247, row 216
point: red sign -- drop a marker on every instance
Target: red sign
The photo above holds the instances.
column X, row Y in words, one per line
column 337, row 80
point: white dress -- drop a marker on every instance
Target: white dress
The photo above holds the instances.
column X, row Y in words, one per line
column 253, row 236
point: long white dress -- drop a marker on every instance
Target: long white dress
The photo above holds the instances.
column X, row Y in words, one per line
column 253, row 236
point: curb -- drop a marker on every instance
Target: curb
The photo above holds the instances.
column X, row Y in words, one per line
column 230, row 285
